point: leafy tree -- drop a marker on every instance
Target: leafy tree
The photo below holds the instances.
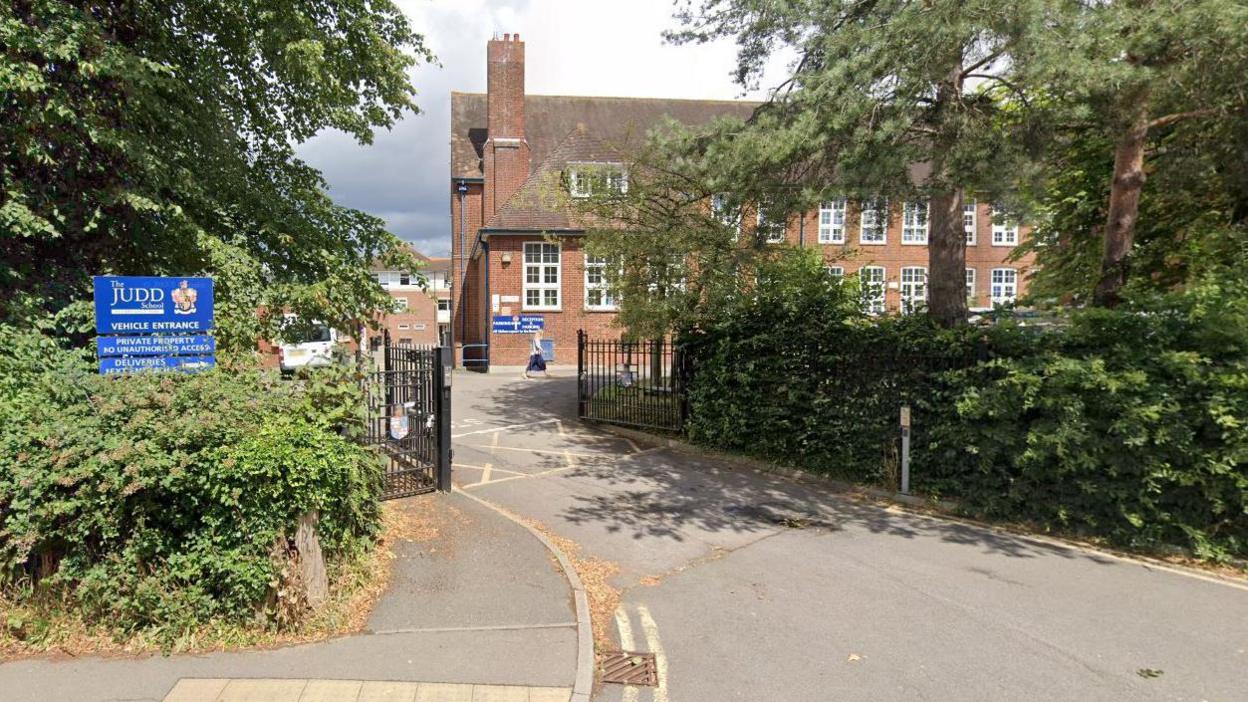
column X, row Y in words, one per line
column 888, row 98
column 674, row 244
column 1156, row 75
column 1193, row 216
column 142, row 137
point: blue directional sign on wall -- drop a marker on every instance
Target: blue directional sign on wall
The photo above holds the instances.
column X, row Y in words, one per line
column 149, row 305
column 518, row 323
column 146, row 324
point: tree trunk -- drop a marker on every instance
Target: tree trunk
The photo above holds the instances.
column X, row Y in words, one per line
column 1124, row 206
column 946, row 247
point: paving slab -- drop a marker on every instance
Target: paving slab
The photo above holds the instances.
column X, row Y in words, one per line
column 482, row 603
column 481, row 571
column 266, row 690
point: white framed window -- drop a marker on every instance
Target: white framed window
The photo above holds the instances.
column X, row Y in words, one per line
column 835, row 271
column 393, row 279
column 970, row 287
column 969, row 220
column 769, row 229
column 914, row 223
column 444, row 304
column 1004, row 231
column 616, row 181
column 541, row 276
column 913, row 289
column 871, row 278
column 597, row 294
column 400, row 304
column 404, row 327
column 585, row 178
column 832, row 222
column 873, row 222
column 580, row 183
column 723, row 211
column 1004, row 286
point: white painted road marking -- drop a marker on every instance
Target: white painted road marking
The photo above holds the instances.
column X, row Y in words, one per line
column 656, row 647
column 626, row 644
column 504, row 428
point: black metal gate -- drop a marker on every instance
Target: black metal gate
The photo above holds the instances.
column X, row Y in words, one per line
column 408, row 401
column 632, row 383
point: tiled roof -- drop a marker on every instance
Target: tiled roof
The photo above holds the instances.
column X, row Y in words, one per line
column 550, row 118
column 541, row 202
column 437, row 265
column 377, row 266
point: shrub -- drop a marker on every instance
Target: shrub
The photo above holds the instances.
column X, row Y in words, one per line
column 1125, row 424
column 154, row 502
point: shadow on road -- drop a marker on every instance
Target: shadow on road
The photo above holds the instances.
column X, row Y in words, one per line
column 675, row 495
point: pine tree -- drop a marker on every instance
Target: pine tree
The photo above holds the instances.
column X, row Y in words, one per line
column 896, row 99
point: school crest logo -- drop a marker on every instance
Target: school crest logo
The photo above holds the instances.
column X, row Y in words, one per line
column 400, row 427
column 184, row 298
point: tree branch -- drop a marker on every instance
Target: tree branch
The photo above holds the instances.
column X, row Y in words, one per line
column 1179, row 116
column 966, row 72
column 1013, row 88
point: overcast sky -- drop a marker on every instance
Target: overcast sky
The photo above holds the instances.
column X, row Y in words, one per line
column 572, row 47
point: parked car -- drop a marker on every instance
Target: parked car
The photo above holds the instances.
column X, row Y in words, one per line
column 307, row 347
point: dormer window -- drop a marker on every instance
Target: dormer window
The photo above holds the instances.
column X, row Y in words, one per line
column 586, row 179
column 579, row 183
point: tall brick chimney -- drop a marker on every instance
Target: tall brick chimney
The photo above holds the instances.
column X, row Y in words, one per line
column 506, row 150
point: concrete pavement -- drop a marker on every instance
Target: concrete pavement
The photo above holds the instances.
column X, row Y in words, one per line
column 751, row 587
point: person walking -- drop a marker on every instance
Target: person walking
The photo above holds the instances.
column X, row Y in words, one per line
column 537, row 361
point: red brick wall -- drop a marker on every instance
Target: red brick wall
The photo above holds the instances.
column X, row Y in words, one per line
column 894, row 255
column 465, row 299
column 422, row 309
column 506, row 152
column 507, row 280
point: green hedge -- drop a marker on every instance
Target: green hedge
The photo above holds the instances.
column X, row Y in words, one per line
column 1128, row 425
column 154, row 502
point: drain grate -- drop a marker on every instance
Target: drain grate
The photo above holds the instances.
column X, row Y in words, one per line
column 628, row 668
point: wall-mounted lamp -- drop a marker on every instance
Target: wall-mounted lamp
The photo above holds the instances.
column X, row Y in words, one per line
column 506, row 258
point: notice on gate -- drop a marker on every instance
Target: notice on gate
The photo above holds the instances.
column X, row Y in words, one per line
column 151, row 305
column 518, row 323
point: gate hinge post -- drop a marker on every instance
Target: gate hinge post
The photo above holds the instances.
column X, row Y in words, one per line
column 442, row 382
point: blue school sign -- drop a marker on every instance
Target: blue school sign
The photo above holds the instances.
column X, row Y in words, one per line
column 145, row 324
column 147, row 305
column 518, row 324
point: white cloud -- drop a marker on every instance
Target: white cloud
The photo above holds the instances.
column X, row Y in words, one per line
column 572, row 47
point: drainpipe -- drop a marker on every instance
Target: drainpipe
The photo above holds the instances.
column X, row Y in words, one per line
column 462, row 189
column 801, row 230
column 489, row 302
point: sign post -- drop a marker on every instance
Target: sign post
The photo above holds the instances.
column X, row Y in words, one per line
column 905, row 449
column 154, row 323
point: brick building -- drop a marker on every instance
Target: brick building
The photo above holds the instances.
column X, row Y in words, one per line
column 424, row 316
column 514, row 254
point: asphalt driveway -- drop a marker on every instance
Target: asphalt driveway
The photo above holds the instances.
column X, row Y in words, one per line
column 750, row 587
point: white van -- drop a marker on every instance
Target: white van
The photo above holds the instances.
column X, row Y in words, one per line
column 314, row 348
